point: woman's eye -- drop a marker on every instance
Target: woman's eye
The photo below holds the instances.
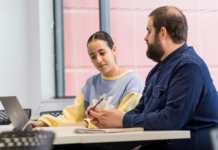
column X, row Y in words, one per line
column 102, row 53
column 93, row 57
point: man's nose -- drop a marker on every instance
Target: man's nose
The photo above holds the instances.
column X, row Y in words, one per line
column 146, row 38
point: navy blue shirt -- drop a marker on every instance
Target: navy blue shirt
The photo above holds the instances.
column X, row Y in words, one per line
column 179, row 94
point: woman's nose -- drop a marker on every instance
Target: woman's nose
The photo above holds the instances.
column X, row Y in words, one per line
column 99, row 59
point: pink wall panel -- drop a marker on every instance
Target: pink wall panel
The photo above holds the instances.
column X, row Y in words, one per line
column 69, row 81
column 183, row 5
column 78, row 28
column 121, row 4
column 214, row 75
column 67, row 40
column 209, row 32
column 193, row 30
column 148, row 5
column 128, row 29
column 75, row 79
column 128, row 21
column 208, row 5
column 80, row 3
column 122, row 34
column 81, row 19
column 143, row 72
column 82, row 76
column 89, row 27
column 140, row 44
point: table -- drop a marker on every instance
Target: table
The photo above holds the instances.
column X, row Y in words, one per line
column 73, row 138
column 69, row 138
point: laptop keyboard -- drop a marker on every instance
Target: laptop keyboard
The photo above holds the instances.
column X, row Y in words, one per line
column 53, row 113
column 28, row 113
column 30, row 141
column 4, row 119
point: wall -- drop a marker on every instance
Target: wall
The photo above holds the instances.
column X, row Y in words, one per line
column 26, row 54
column 15, row 76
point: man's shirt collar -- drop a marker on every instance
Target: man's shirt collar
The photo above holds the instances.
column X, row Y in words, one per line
column 172, row 55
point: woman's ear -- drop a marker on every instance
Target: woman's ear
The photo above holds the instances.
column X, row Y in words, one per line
column 114, row 49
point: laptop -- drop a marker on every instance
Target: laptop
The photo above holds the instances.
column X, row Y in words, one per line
column 16, row 113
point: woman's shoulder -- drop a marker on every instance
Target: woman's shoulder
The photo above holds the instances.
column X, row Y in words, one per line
column 90, row 81
column 93, row 78
column 132, row 75
column 133, row 82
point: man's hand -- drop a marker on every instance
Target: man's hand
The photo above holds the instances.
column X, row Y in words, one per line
column 111, row 118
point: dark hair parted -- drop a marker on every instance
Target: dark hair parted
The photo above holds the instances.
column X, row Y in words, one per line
column 101, row 35
column 173, row 20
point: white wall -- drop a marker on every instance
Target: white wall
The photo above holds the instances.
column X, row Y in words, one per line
column 26, row 53
column 15, row 66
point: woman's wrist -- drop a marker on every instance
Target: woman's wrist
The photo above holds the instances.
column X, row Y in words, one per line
column 42, row 124
column 85, row 123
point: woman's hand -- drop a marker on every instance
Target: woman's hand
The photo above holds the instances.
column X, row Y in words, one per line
column 88, row 110
column 82, row 123
column 38, row 123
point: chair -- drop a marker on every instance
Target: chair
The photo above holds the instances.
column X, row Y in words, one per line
column 53, row 113
column 4, row 119
column 27, row 140
column 214, row 138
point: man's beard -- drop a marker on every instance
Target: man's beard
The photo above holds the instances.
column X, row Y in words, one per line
column 155, row 50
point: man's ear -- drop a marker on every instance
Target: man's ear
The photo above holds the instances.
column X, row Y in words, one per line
column 163, row 33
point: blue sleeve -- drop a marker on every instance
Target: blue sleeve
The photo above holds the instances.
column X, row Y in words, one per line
column 182, row 98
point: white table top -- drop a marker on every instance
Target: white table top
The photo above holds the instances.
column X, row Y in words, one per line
column 134, row 136
column 73, row 138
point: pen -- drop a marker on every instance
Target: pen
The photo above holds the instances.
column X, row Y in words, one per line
column 97, row 104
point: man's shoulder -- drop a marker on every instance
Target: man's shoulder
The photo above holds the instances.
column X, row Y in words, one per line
column 190, row 59
column 190, row 56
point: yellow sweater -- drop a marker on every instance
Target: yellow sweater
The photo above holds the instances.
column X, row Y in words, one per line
column 128, row 94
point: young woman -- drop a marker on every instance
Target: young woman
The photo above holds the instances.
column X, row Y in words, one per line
column 124, row 87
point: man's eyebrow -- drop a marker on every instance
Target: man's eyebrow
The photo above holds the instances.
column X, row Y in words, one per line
column 94, row 53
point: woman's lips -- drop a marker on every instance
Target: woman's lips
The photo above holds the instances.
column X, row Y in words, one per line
column 101, row 66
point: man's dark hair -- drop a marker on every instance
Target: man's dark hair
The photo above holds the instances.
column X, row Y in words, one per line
column 173, row 20
column 101, row 35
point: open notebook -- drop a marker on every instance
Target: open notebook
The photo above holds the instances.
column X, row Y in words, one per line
column 113, row 130
column 80, row 129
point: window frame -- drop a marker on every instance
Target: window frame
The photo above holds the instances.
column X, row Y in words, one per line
column 59, row 64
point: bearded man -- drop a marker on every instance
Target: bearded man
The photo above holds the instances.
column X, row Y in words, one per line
column 179, row 93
